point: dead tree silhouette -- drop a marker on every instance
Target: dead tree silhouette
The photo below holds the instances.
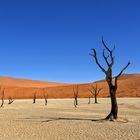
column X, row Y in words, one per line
column 10, row 100
column 2, row 98
column 76, row 92
column 45, row 97
column 34, row 98
column 95, row 91
column 89, row 100
column 109, row 59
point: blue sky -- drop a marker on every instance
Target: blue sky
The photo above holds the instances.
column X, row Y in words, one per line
column 51, row 39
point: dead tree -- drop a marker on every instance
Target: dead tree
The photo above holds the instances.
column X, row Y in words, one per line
column 109, row 60
column 95, row 91
column 76, row 92
column 2, row 99
column 34, row 98
column 89, row 100
column 10, row 100
column 45, row 97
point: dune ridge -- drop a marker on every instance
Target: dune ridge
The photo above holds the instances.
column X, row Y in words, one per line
column 129, row 86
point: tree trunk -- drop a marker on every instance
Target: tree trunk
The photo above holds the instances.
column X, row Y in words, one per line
column 114, row 106
column 2, row 103
column 34, row 101
column 2, row 99
column 75, row 102
column 46, row 102
column 96, row 99
column 34, row 98
column 89, row 101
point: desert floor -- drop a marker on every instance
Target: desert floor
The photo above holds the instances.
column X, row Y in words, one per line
column 60, row 120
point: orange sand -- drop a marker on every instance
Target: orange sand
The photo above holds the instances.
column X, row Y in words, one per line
column 128, row 86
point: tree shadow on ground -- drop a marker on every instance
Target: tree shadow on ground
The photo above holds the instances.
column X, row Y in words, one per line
column 52, row 119
column 73, row 119
column 82, row 119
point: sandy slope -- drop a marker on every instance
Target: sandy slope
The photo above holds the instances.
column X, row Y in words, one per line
column 17, row 82
column 128, row 86
column 23, row 120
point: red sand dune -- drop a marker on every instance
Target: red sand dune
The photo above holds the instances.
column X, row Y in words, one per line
column 128, row 86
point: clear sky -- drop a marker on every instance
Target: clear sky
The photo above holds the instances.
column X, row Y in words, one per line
column 51, row 39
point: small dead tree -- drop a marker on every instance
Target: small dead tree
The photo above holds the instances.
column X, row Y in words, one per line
column 109, row 60
column 10, row 100
column 34, row 98
column 45, row 97
column 95, row 91
column 2, row 98
column 76, row 92
column 89, row 100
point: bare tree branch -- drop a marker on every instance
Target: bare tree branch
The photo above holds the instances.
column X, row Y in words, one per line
column 110, row 53
column 123, row 70
column 105, row 58
column 10, row 100
column 75, row 91
column 99, row 91
column 91, row 90
column 116, row 78
column 96, row 59
column 106, row 46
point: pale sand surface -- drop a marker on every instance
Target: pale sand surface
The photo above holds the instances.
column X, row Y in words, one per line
column 23, row 120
